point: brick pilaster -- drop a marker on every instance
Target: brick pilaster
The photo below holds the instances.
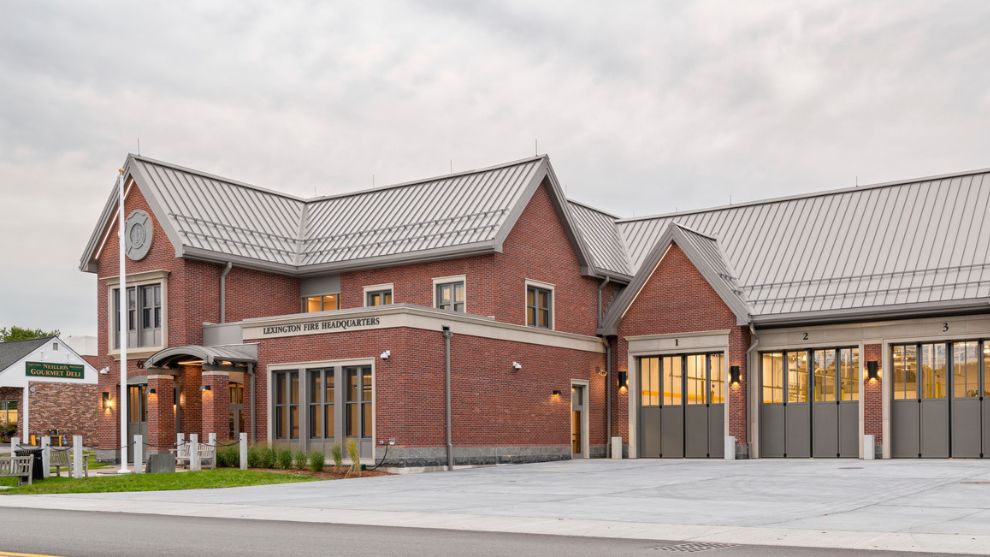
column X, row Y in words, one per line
column 216, row 404
column 873, row 393
column 161, row 414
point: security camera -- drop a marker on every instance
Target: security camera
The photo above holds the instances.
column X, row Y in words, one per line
column 516, row 366
column 386, row 354
column 104, row 371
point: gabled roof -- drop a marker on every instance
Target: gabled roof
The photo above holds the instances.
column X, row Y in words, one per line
column 703, row 252
column 14, row 351
column 213, row 218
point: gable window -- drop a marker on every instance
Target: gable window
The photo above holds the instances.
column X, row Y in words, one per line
column 378, row 295
column 144, row 316
column 539, row 305
column 449, row 294
column 325, row 302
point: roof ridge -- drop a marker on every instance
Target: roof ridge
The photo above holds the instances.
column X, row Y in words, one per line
column 809, row 195
column 595, row 209
column 38, row 339
column 308, row 200
column 696, row 232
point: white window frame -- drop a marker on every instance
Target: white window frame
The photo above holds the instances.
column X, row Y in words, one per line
column 437, row 281
column 375, row 288
column 137, row 280
column 553, row 303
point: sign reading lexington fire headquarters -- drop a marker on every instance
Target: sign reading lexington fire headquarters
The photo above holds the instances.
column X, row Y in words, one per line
column 313, row 327
column 54, row 371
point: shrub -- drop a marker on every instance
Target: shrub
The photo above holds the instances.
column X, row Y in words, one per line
column 256, row 456
column 316, row 461
column 355, row 454
column 229, row 457
column 283, row 459
column 268, row 458
column 337, row 453
column 299, row 460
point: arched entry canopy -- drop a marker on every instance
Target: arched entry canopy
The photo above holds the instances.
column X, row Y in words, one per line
column 229, row 356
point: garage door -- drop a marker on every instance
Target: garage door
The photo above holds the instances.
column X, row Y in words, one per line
column 682, row 406
column 940, row 398
column 810, row 403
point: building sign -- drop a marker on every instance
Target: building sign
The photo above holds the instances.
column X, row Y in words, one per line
column 328, row 326
column 55, row 371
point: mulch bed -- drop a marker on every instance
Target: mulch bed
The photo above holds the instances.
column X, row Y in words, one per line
column 328, row 473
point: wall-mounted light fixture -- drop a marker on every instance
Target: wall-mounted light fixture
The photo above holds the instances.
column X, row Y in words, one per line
column 623, row 382
column 872, row 371
column 516, row 366
column 601, row 371
column 206, row 388
column 555, row 393
column 735, row 375
column 152, row 391
column 107, row 402
column 386, row 354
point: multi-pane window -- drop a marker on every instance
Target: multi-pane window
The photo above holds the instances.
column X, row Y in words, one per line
column 450, row 296
column 671, row 370
column 378, row 297
column 716, row 364
column 797, row 376
column 286, row 401
column 649, row 381
column 324, row 302
column 696, row 379
column 539, row 307
column 8, row 412
column 773, row 377
column 357, row 393
column 849, row 374
column 905, row 372
column 144, row 316
column 236, row 391
column 321, row 403
column 965, row 369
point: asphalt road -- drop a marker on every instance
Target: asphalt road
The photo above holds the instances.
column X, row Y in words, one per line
column 73, row 533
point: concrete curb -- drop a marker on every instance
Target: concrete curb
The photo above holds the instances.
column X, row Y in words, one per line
column 829, row 539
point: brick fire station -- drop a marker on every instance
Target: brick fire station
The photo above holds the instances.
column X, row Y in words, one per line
column 483, row 317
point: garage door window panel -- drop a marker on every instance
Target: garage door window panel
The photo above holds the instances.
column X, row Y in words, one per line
column 965, row 370
column 773, row 377
column 797, row 377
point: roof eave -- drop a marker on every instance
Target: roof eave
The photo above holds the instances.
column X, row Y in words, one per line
column 899, row 311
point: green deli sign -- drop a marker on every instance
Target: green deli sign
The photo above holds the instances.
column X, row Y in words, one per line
column 55, row 371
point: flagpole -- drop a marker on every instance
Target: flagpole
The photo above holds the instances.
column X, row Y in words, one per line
column 122, row 333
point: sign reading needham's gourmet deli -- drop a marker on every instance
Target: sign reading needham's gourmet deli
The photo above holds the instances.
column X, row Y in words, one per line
column 328, row 326
column 54, row 371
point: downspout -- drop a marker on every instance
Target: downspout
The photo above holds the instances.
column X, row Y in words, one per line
column 447, row 334
column 750, row 370
column 608, row 374
column 254, row 434
column 223, row 291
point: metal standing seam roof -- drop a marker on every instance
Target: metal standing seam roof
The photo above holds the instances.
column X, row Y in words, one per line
column 209, row 216
column 602, row 237
column 891, row 244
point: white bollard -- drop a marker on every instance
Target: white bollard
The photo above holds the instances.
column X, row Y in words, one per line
column 243, row 451
column 730, row 447
column 617, row 448
column 211, row 438
column 180, row 438
column 77, row 456
column 14, row 441
column 869, row 453
column 139, row 454
column 46, row 456
column 194, row 465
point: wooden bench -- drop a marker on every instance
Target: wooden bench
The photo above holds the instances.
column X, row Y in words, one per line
column 207, row 455
column 63, row 458
column 20, row 467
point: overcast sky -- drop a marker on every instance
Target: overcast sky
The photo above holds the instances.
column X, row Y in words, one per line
column 643, row 107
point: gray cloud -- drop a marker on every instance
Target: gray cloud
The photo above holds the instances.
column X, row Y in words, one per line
column 644, row 107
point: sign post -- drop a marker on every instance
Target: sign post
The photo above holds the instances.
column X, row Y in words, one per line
column 122, row 297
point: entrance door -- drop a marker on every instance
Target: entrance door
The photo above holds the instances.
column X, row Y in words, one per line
column 577, row 421
column 137, row 415
column 704, row 406
column 236, row 391
column 835, row 410
column 967, row 405
column 921, row 401
column 672, row 407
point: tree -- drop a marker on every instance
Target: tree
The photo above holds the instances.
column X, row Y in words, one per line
column 22, row 333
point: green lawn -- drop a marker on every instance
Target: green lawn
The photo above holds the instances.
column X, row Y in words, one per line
column 222, row 477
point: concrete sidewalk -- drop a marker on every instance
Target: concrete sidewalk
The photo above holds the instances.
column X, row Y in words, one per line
column 941, row 506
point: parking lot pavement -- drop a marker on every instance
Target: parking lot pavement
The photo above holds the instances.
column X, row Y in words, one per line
column 929, row 505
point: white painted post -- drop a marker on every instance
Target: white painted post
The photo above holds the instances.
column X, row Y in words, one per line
column 243, row 451
column 46, row 456
column 14, row 441
column 194, row 465
column 730, row 447
column 26, row 414
column 869, row 453
column 77, row 456
column 139, row 454
column 617, row 448
column 212, row 439
column 179, row 439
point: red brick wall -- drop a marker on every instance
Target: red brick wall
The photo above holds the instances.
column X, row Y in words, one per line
column 161, row 415
column 873, row 394
column 537, row 249
column 492, row 404
column 678, row 299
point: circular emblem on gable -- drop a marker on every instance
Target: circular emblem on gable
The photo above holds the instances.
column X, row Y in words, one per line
column 138, row 233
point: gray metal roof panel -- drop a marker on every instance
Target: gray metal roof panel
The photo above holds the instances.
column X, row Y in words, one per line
column 11, row 352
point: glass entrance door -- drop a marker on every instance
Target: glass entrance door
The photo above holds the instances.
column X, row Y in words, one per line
column 577, row 421
column 137, row 415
